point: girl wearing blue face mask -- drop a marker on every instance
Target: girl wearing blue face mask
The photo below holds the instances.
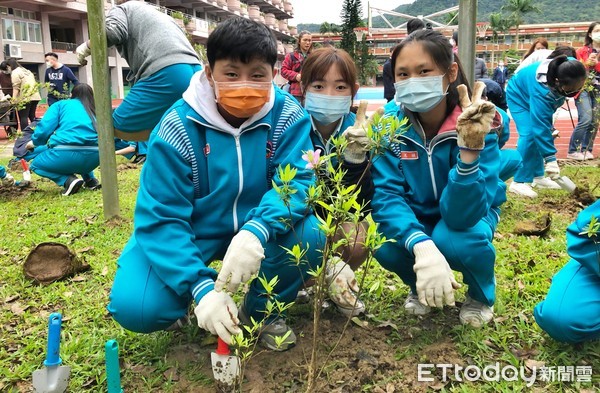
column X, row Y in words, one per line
column 329, row 82
column 533, row 95
column 437, row 192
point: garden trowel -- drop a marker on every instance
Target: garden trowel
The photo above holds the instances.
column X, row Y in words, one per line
column 225, row 367
column 53, row 378
column 113, row 374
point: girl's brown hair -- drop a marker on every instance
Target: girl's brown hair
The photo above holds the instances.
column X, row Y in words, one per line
column 540, row 40
column 321, row 60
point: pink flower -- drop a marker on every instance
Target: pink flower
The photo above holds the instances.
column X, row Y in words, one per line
column 312, row 158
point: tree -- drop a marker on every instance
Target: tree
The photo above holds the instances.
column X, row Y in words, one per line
column 451, row 18
column 499, row 23
column 366, row 64
column 517, row 9
column 351, row 18
column 327, row 27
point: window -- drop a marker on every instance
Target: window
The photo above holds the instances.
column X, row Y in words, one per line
column 35, row 32
column 3, row 11
column 8, row 32
column 21, row 33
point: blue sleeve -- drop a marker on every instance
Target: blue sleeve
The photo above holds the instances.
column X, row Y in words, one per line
column 581, row 247
column 471, row 188
column 49, row 123
column 163, row 213
column 541, row 112
column 390, row 209
column 505, row 134
column 271, row 217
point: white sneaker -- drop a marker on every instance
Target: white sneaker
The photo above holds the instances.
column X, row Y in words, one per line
column 413, row 306
column 522, row 189
column 545, row 182
column 587, row 155
column 475, row 313
column 576, row 156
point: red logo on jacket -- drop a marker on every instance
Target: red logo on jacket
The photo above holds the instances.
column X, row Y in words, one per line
column 409, row 155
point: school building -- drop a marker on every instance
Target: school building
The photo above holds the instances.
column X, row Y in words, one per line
column 31, row 28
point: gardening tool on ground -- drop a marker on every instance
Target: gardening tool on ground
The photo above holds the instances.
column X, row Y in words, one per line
column 49, row 262
column 566, row 184
column 113, row 375
column 53, row 378
column 225, row 367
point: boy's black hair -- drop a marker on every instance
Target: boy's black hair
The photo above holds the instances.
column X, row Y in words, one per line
column 51, row 54
column 568, row 51
column 241, row 39
column 13, row 63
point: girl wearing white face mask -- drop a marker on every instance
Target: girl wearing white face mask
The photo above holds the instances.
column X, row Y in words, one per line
column 329, row 82
column 582, row 139
column 437, row 193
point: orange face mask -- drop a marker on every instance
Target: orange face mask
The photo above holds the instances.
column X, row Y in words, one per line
column 243, row 99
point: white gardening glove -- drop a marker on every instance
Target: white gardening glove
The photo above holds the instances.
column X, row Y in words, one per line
column 358, row 142
column 82, row 52
column 475, row 122
column 8, row 180
column 342, row 283
column 242, row 260
column 5, row 98
column 435, row 279
column 217, row 313
column 552, row 170
column 30, row 145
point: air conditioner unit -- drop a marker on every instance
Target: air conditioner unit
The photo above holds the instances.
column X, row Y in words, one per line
column 13, row 50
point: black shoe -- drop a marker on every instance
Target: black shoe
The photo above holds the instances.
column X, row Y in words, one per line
column 93, row 184
column 72, row 185
column 139, row 159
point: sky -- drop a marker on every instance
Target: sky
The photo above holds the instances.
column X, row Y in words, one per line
column 319, row 11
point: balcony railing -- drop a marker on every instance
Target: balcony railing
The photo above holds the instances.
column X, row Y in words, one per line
column 64, row 46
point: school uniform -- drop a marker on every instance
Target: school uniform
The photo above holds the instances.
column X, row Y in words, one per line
column 423, row 191
column 532, row 104
column 510, row 159
column 355, row 174
column 72, row 143
column 571, row 311
column 203, row 182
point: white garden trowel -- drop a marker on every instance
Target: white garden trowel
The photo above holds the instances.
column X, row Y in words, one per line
column 225, row 367
column 53, row 378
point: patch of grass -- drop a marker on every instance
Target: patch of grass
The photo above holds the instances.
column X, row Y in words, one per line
column 154, row 362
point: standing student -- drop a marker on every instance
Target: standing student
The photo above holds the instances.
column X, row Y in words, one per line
column 291, row 68
column 161, row 63
column 68, row 129
column 539, row 44
column 329, row 81
column 436, row 191
column 206, row 191
column 500, row 75
column 24, row 87
column 533, row 95
column 571, row 310
column 582, row 139
column 60, row 77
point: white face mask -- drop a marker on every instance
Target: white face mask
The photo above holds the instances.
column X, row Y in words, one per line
column 48, row 64
column 501, row 64
column 420, row 94
column 595, row 37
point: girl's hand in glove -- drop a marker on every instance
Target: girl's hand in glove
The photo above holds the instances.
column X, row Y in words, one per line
column 475, row 121
column 342, row 283
column 217, row 313
column 242, row 260
column 435, row 279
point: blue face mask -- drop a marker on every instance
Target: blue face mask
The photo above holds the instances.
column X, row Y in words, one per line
column 420, row 94
column 326, row 109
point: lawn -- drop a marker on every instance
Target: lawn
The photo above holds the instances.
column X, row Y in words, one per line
column 379, row 355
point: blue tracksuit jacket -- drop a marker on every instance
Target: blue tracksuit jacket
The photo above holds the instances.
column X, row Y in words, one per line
column 526, row 93
column 201, row 183
column 419, row 181
column 65, row 123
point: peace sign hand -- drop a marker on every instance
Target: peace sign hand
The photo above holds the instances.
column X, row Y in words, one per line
column 475, row 121
column 358, row 141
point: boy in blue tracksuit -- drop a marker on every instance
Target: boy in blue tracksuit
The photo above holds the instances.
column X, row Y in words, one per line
column 533, row 95
column 206, row 193
column 60, row 77
column 68, row 131
column 571, row 311
column 437, row 191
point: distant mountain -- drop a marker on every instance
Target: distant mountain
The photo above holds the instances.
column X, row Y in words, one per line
column 551, row 11
column 312, row 27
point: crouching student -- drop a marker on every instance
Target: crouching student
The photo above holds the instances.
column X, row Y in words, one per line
column 329, row 82
column 69, row 131
column 571, row 311
column 206, row 194
column 436, row 192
